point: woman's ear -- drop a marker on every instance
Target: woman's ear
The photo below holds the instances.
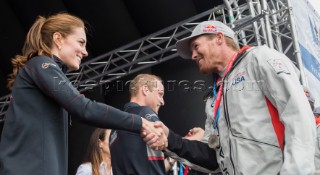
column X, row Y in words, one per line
column 57, row 39
column 99, row 143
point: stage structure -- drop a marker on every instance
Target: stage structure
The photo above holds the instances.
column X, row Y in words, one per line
column 256, row 22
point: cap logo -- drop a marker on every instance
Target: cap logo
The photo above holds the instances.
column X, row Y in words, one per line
column 209, row 29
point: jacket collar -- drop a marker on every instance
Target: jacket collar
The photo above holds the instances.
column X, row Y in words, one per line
column 60, row 63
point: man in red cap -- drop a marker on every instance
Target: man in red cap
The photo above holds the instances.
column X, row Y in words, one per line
column 261, row 120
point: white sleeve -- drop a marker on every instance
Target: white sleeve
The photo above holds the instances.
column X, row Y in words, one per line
column 84, row 169
column 282, row 87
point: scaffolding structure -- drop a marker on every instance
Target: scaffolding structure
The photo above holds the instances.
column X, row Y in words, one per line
column 256, row 22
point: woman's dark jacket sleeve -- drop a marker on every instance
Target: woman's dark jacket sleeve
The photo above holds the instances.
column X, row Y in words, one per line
column 48, row 76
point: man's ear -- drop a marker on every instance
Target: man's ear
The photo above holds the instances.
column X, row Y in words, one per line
column 220, row 38
column 145, row 89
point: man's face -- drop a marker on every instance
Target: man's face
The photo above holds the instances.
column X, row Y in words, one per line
column 154, row 98
column 206, row 53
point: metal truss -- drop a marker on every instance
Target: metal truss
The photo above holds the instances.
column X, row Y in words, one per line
column 255, row 22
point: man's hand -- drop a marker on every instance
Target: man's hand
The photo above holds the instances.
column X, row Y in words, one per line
column 195, row 133
column 154, row 141
column 154, row 135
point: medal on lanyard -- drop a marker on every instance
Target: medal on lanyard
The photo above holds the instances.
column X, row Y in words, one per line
column 213, row 141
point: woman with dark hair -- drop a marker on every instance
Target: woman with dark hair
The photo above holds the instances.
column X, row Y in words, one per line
column 35, row 134
column 98, row 159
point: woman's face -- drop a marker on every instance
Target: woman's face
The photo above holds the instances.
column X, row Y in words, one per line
column 104, row 145
column 72, row 48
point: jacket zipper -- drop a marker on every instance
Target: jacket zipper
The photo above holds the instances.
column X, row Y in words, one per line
column 226, row 113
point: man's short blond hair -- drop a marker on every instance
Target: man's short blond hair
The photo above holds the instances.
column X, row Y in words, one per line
column 229, row 41
column 143, row 79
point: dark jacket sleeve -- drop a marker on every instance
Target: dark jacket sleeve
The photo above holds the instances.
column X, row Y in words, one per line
column 196, row 152
column 49, row 78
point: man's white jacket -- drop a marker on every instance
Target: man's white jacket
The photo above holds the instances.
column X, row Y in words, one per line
column 266, row 125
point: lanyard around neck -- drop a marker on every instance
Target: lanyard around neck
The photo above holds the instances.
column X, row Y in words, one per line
column 216, row 109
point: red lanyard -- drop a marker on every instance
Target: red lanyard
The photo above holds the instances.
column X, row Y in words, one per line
column 219, row 95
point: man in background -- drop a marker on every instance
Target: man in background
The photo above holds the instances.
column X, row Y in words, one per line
column 130, row 154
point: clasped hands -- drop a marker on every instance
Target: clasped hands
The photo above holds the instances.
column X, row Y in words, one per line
column 155, row 134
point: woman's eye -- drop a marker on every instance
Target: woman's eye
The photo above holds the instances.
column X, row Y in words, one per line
column 82, row 43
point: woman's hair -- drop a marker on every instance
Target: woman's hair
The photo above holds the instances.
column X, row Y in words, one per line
column 93, row 152
column 143, row 79
column 39, row 40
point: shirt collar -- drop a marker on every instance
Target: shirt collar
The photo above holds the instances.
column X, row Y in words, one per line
column 222, row 72
column 130, row 105
column 102, row 169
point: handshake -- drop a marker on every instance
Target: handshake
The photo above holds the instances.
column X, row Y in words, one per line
column 155, row 134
